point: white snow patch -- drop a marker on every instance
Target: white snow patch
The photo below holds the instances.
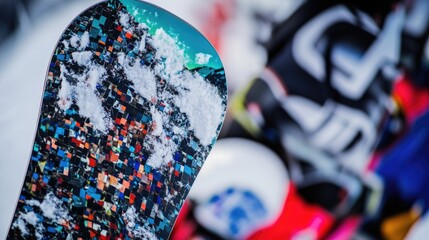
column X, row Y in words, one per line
column 90, row 106
column 51, row 207
column 163, row 150
column 130, row 217
column 202, row 104
column 40, row 230
column 64, row 96
column 83, row 93
column 157, row 122
column 82, row 58
column 30, row 218
column 84, row 40
column 74, row 41
column 142, row 45
column 95, row 74
column 202, row 58
column 171, row 57
column 78, row 42
column 141, row 76
column 66, row 44
column 124, row 20
column 21, row 225
column 196, row 98
column 121, row 58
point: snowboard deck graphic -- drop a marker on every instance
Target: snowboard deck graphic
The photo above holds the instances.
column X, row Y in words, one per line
column 134, row 99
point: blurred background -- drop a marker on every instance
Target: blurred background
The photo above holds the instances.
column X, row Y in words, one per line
column 327, row 126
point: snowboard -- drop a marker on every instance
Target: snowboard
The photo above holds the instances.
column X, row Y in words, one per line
column 134, row 99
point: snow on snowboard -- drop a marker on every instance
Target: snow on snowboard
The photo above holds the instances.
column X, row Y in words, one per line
column 134, row 99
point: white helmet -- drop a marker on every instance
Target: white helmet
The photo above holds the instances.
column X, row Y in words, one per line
column 241, row 188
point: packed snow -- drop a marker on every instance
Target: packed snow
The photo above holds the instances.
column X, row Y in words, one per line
column 51, row 207
column 140, row 232
column 82, row 58
column 141, row 76
column 202, row 58
column 84, row 92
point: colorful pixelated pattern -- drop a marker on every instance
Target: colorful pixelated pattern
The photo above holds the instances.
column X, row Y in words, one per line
column 125, row 127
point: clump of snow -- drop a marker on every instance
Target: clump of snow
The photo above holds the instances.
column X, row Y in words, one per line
column 90, row 106
column 30, row 218
column 51, row 207
column 121, row 58
column 66, row 44
column 131, row 219
column 163, row 150
column 198, row 99
column 171, row 57
column 40, row 230
column 124, row 20
column 202, row 104
column 79, row 42
column 141, row 76
column 142, row 45
column 82, row 58
column 64, row 96
column 84, row 41
column 21, row 225
column 74, row 41
column 95, row 75
column 162, row 147
column 157, row 122
column 84, row 92
column 202, row 58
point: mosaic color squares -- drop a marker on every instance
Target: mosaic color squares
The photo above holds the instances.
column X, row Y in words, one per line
column 130, row 111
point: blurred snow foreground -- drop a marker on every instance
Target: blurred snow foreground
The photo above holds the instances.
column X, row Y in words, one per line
column 31, row 29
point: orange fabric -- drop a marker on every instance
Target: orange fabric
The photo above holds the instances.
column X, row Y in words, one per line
column 397, row 226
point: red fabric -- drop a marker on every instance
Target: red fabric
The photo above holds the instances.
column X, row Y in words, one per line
column 184, row 228
column 413, row 100
column 296, row 216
